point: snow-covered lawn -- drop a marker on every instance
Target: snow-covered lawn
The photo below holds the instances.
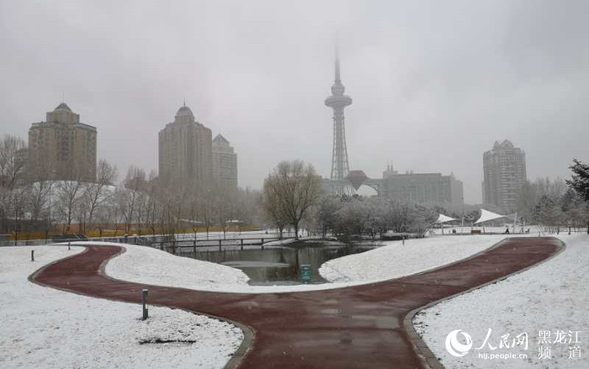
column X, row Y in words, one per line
column 148, row 265
column 551, row 297
column 153, row 266
column 46, row 328
column 398, row 259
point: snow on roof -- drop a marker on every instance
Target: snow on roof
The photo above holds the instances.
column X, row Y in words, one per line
column 444, row 219
column 487, row 215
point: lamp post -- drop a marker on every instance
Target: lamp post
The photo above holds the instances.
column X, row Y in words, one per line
column 195, row 224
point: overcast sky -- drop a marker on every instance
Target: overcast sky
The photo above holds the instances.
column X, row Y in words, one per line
column 433, row 83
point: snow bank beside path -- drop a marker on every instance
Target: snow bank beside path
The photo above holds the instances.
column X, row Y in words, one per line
column 142, row 264
column 397, row 259
column 147, row 265
column 550, row 297
column 152, row 266
column 47, row 328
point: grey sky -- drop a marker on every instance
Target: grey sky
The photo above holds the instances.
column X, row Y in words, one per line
column 434, row 83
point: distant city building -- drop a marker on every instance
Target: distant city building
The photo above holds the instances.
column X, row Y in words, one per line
column 224, row 163
column 504, row 170
column 185, row 152
column 62, row 148
column 420, row 187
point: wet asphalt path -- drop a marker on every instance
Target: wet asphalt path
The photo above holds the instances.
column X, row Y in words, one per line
column 354, row 327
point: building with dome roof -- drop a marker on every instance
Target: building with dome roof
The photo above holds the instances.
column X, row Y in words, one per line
column 62, row 148
column 185, row 152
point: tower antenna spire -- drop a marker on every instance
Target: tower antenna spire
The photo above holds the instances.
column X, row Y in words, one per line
column 337, row 72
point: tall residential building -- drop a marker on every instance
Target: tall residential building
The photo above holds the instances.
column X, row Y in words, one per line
column 185, row 156
column 224, row 163
column 433, row 188
column 504, row 175
column 62, row 148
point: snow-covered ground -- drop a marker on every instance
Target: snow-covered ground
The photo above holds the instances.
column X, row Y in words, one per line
column 148, row 265
column 153, row 266
column 397, row 259
column 68, row 330
column 47, row 328
column 552, row 297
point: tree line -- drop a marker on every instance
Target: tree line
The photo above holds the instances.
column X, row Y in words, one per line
column 292, row 197
column 139, row 204
column 557, row 203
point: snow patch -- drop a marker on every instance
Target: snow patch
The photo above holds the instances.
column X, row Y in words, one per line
column 399, row 259
column 551, row 296
column 47, row 328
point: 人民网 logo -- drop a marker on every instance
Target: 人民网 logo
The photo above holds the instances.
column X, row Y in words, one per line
column 454, row 346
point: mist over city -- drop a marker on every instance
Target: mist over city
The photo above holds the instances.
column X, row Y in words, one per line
column 294, row 184
column 434, row 84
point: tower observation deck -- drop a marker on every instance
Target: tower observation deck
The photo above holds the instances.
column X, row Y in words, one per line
column 339, row 159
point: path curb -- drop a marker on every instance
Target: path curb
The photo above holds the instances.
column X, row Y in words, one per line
column 429, row 359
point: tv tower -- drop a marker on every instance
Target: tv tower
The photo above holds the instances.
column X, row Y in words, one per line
column 339, row 159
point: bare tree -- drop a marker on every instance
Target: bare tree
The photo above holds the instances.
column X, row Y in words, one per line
column 207, row 207
column 12, row 161
column 40, row 195
column 68, row 197
column 290, row 191
column 96, row 194
column 128, row 197
column 152, row 207
column 12, row 172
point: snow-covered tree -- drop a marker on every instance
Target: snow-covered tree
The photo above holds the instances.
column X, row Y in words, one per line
column 580, row 183
column 580, row 179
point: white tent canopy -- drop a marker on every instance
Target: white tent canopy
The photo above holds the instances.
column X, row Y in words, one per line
column 487, row 215
column 444, row 219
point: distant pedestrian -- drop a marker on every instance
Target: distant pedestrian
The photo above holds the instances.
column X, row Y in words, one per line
column 506, row 230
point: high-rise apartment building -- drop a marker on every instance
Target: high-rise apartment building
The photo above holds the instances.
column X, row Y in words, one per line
column 185, row 152
column 504, row 175
column 62, row 148
column 224, row 163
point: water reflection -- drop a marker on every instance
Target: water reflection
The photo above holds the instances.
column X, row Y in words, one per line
column 278, row 265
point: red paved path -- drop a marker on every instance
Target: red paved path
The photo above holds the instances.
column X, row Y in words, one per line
column 355, row 327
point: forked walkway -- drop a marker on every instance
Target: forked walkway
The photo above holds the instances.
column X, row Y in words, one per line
column 355, row 327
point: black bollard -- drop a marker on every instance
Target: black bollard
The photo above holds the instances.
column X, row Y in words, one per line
column 69, row 245
column 32, row 255
column 144, row 293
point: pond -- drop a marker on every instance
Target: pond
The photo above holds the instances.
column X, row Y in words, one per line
column 279, row 265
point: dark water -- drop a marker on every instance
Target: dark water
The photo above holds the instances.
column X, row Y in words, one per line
column 279, row 265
